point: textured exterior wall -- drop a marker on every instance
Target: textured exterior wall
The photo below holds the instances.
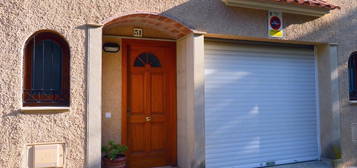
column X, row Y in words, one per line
column 21, row 18
column 111, row 101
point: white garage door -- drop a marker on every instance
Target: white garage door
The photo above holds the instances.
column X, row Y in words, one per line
column 260, row 105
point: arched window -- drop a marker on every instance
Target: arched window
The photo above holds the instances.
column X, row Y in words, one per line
column 46, row 67
column 352, row 74
column 147, row 58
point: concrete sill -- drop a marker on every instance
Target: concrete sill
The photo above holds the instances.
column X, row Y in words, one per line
column 353, row 101
column 45, row 109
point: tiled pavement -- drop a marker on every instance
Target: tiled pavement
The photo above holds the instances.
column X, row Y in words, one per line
column 313, row 164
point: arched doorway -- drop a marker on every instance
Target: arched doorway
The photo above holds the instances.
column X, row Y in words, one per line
column 153, row 26
column 139, row 88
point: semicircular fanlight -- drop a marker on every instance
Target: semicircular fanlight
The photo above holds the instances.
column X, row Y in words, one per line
column 147, row 58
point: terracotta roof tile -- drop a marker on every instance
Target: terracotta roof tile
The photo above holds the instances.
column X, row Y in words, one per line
column 312, row 3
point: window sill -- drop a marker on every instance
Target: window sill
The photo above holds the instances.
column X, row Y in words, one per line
column 45, row 109
column 353, row 101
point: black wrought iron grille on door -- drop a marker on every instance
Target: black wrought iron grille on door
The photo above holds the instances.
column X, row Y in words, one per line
column 46, row 79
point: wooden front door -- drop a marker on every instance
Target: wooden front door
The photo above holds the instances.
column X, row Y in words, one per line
column 149, row 103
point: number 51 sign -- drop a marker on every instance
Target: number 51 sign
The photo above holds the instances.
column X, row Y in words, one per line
column 275, row 24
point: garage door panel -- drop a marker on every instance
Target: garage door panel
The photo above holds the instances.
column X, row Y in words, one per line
column 252, row 48
column 254, row 148
column 263, row 61
column 245, row 135
column 254, row 56
column 260, row 105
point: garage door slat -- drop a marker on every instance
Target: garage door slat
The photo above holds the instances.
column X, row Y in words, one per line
column 260, row 105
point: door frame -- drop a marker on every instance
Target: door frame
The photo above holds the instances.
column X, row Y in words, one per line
column 173, row 117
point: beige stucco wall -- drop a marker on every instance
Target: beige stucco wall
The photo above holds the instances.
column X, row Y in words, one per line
column 20, row 18
column 111, row 91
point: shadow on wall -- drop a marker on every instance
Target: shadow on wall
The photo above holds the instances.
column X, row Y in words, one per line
column 341, row 30
column 213, row 16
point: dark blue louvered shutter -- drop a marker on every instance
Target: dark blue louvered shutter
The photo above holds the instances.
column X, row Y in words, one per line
column 46, row 68
column 352, row 76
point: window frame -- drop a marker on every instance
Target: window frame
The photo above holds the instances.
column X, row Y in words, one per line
column 46, row 99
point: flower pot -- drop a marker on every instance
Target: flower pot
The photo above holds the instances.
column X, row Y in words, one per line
column 119, row 162
column 337, row 163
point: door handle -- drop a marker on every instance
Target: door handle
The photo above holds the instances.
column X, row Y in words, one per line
column 147, row 119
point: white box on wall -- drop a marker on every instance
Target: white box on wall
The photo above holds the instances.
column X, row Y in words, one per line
column 47, row 155
column 354, row 132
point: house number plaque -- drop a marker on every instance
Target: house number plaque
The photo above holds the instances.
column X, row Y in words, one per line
column 137, row 32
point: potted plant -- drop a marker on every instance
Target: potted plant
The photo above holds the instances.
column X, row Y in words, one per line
column 334, row 155
column 114, row 156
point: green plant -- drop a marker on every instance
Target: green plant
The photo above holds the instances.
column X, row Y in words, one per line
column 336, row 149
column 113, row 151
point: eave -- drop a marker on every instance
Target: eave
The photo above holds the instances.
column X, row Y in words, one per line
column 275, row 6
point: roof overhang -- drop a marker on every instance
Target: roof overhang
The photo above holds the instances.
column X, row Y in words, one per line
column 276, row 6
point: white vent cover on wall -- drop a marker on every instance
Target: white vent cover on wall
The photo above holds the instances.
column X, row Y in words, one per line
column 45, row 156
column 354, row 132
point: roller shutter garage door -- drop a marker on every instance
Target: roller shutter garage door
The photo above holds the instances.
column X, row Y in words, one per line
column 260, row 105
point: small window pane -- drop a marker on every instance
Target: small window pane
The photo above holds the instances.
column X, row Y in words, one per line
column 139, row 62
column 154, row 62
column 46, row 67
column 147, row 58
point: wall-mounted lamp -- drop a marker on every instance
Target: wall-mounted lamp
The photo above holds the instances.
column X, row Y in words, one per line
column 111, row 47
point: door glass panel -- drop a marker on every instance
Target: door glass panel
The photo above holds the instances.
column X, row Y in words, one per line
column 139, row 62
column 147, row 58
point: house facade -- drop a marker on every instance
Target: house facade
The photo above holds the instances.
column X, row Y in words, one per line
column 186, row 83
